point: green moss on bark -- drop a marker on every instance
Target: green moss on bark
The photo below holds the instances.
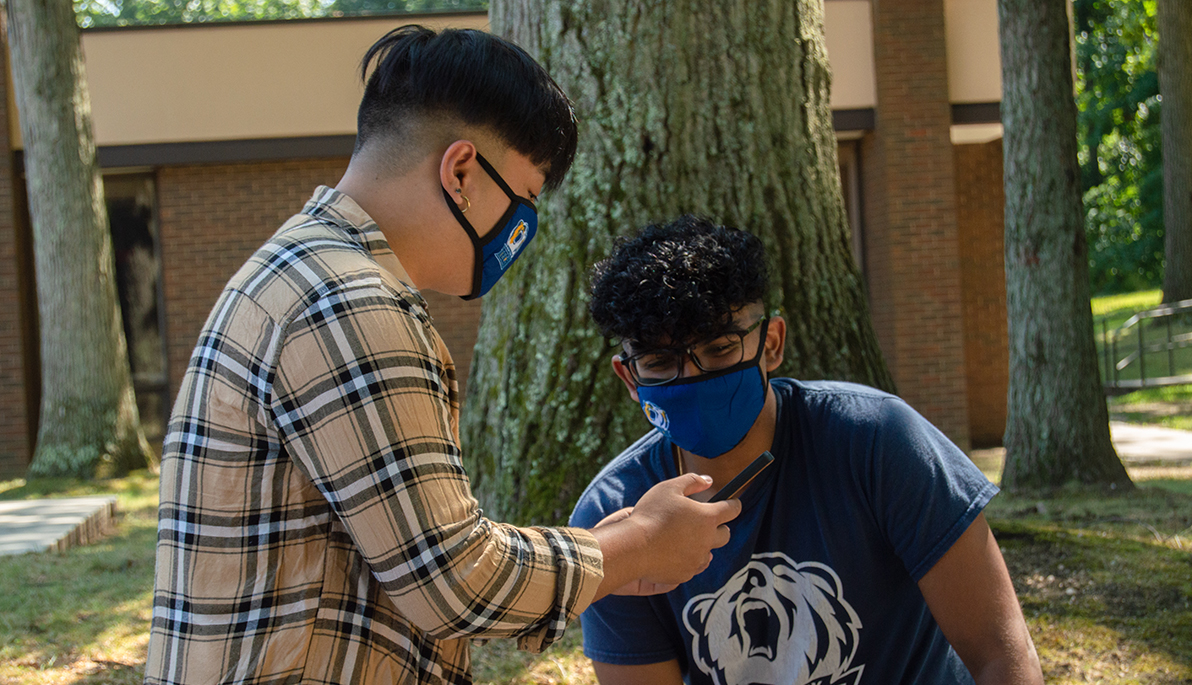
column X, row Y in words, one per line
column 719, row 108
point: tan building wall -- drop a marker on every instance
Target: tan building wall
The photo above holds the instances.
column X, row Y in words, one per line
column 206, row 82
column 973, row 53
column 152, row 85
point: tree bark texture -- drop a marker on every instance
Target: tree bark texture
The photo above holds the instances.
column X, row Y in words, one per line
column 715, row 107
column 89, row 423
column 1175, row 84
column 1057, row 425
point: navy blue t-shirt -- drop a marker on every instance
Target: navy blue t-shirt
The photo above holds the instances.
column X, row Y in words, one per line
column 818, row 583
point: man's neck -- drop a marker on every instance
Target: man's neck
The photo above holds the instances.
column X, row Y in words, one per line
column 402, row 212
column 722, row 469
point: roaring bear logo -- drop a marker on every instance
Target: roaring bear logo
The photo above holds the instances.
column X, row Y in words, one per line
column 776, row 621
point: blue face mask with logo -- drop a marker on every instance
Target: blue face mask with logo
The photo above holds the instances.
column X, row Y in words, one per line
column 708, row 414
column 496, row 252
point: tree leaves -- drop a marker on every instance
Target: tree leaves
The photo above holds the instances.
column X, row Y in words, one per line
column 1117, row 95
column 98, row 13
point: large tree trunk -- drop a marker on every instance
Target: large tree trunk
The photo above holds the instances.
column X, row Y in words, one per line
column 1057, row 425
column 89, row 423
column 715, row 107
column 1175, row 83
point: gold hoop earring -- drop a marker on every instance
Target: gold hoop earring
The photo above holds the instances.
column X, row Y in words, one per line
column 468, row 202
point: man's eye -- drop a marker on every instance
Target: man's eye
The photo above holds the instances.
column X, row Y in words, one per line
column 720, row 348
column 656, row 363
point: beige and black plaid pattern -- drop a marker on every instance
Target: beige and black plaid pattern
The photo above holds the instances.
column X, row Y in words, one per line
column 316, row 523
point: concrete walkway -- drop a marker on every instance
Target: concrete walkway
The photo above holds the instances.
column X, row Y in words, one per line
column 40, row 525
column 1139, row 445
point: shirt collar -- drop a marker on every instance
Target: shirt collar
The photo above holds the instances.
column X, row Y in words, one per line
column 335, row 208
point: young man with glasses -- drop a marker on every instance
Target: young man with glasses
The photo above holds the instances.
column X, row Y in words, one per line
column 316, row 524
column 861, row 554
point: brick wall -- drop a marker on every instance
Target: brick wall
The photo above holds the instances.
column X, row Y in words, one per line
column 213, row 217
column 15, row 444
column 913, row 250
column 980, row 211
column 876, row 261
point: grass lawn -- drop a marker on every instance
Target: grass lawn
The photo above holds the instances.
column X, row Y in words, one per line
column 81, row 616
column 1118, row 308
column 1170, row 407
column 1105, row 581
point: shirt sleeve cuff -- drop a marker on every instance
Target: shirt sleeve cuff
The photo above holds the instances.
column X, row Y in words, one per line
column 580, row 566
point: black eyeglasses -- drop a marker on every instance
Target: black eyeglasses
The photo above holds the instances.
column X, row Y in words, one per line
column 663, row 365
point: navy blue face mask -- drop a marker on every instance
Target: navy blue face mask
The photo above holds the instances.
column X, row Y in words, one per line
column 708, row 414
column 496, row 252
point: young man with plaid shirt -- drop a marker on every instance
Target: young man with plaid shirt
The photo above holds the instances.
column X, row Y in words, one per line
column 316, row 524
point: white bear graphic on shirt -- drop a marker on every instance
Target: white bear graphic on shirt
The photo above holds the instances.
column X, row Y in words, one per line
column 776, row 622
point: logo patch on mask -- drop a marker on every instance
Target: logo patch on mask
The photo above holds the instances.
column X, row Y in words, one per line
column 656, row 416
column 776, row 621
column 514, row 244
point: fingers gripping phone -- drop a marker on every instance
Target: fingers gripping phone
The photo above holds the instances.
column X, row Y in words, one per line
column 735, row 486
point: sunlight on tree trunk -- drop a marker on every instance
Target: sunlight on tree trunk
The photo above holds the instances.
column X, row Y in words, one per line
column 1175, row 83
column 89, row 421
column 1057, row 425
column 719, row 108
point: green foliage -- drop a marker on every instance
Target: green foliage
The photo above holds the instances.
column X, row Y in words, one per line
column 98, row 13
column 1117, row 95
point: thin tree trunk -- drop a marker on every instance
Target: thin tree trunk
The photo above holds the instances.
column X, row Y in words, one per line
column 1057, row 425
column 714, row 107
column 89, row 423
column 1175, row 83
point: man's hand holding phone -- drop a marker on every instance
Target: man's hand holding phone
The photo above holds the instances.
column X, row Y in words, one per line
column 667, row 538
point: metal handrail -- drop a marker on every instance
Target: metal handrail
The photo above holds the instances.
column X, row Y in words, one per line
column 1183, row 340
column 1169, row 343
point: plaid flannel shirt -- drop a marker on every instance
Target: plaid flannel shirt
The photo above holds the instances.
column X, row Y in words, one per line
column 316, row 524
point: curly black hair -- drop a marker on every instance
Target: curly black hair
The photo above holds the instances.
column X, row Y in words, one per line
column 680, row 281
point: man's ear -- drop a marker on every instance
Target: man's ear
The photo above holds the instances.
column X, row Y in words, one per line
column 775, row 343
column 623, row 374
column 455, row 168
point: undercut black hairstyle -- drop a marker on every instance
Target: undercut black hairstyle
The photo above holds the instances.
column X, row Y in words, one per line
column 677, row 283
column 480, row 78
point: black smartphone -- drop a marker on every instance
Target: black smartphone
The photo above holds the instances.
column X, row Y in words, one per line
column 738, row 483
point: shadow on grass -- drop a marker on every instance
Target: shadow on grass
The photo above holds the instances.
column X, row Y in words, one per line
column 1105, row 582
